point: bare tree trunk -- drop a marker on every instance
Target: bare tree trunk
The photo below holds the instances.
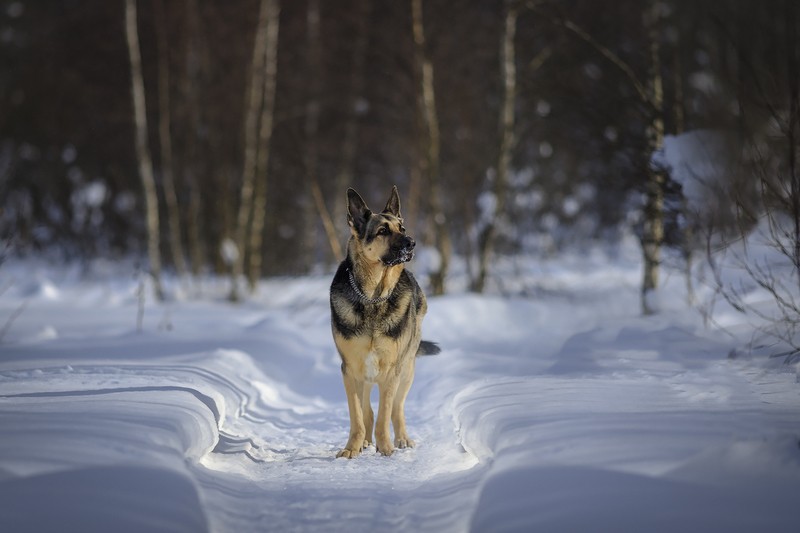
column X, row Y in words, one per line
column 653, row 231
column 224, row 210
column 165, row 136
column 196, row 58
column 255, row 249
column 251, row 115
column 507, row 141
column 431, row 169
column 197, row 251
column 344, row 176
column 142, row 149
column 651, row 96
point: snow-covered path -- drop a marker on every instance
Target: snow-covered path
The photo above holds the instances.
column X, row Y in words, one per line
column 560, row 412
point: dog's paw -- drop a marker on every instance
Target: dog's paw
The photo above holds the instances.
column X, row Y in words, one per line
column 348, row 453
column 385, row 449
column 403, row 443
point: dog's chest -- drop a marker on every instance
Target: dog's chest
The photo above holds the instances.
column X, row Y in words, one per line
column 367, row 359
column 371, row 367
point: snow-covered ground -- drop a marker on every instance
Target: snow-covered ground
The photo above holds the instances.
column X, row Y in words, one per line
column 559, row 409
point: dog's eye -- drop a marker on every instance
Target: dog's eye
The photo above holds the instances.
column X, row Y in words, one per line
column 402, row 229
column 382, row 231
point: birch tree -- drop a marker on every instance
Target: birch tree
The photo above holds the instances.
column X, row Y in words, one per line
column 258, row 108
column 653, row 230
column 650, row 93
column 507, row 141
column 144, row 160
column 431, row 149
column 165, row 137
column 266, row 120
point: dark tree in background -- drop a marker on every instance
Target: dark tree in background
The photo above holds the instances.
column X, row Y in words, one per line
column 510, row 127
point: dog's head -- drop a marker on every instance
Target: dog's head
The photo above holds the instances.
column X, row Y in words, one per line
column 380, row 237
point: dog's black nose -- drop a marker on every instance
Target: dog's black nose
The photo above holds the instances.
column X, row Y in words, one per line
column 410, row 243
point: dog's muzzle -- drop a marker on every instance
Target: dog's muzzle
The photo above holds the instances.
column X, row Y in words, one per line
column 402, row 252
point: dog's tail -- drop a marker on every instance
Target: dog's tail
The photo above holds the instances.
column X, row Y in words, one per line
column 428, row 348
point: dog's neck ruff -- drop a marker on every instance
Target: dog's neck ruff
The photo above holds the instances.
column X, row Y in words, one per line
column 361, row 296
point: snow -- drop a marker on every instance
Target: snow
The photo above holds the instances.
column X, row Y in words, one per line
column 558, row 409
column 699, row 161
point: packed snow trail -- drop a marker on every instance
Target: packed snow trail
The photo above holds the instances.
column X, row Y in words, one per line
column 558, row 412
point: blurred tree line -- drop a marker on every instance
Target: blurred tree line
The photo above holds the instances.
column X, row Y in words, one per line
column 509, row 126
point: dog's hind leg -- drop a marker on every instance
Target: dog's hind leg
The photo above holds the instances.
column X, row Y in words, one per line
column 356, row 441
column 401, row 439
column 369, row 416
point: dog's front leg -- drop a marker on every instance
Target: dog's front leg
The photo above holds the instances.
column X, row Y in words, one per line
column 383, row 440
column 356, row 441
column 366, row 411
column 401, row 439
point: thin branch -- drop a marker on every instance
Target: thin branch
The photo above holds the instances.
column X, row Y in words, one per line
column 540, row 59
column 755, row 77
column 12, row 318
column 730, row 296
column 327, row 220
column 638, row 86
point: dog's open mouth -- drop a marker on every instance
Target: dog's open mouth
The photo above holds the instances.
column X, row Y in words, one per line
column 403, row 256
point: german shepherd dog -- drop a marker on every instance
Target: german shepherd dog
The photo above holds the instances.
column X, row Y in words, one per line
column 376, row 315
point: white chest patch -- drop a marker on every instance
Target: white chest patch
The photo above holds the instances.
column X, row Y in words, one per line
column 371, row 368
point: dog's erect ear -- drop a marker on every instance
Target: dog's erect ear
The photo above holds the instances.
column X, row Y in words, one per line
column 393, row 205
column 357, row 211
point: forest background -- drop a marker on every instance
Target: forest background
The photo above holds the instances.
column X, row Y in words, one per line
column 220, row 136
